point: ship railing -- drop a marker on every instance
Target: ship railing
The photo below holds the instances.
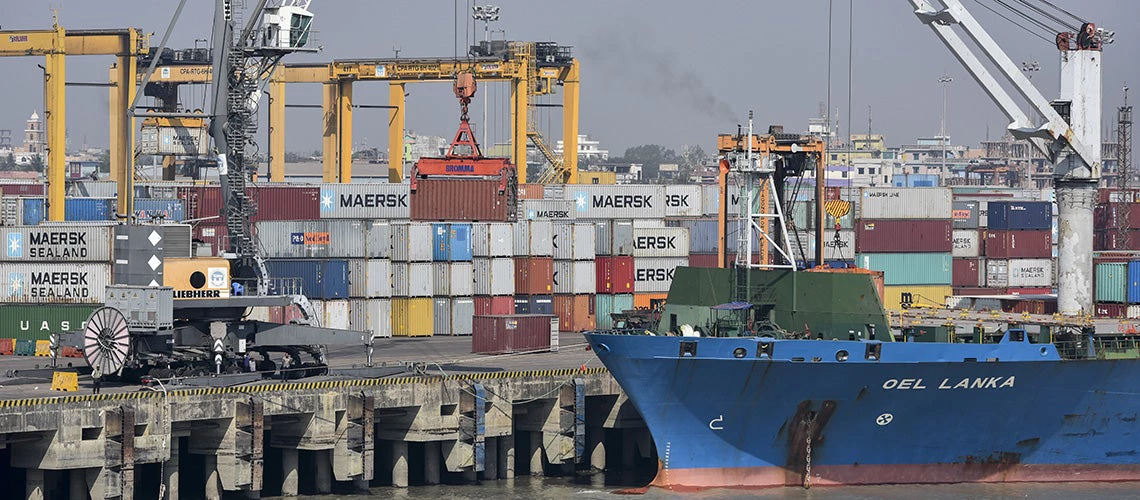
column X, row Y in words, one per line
column 1099, row 349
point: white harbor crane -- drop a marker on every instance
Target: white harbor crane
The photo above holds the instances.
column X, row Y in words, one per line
column 1068, row 137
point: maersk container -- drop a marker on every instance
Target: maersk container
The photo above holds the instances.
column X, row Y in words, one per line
column 494, row 276
column 909, row 268
column 574, row 277
column 170, row 210
column 441, row 279
column 965, row 214
column 39, row 321
column 379, row 236
column 72, row 243
column 459, row 246
column 552, row 210
column 374, row 315
column 905, row 203
column 320, row 278
column 53, row 282
column 370, row 278
column 462, row 311
column 613, row 201
column 1036, row 215
column 1133, row 282
column 683, row 200
column 338, row 239
column 1112, row 283
column 1028, row 273
column 492, row 239
column 655, row 274
column 441, row 315
column 966, row 243
column 661, row 242
column 412, row 317
column 411, row 242
column 363, row 201
column 462, row 275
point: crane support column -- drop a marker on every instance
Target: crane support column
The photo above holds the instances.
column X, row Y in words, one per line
column 344, row 130
column 277, row 130
column 396, row 132
column 329, row 142
column 570, row 122
column 1075, row 201
column 123, row 131
column 55, row 124
column 519, row 118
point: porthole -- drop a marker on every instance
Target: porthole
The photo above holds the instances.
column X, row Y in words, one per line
column 739, row 352
column 841, row 355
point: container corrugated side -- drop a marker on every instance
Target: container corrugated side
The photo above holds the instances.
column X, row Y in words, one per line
column 89, row 209
column 379, row 237
column 661, row 242
column 441, row 279
column 459, row 244
column 622, row 243
column 655, row 274
column 905, row 203
column 278, row 202
column 370, row 278
column 40, row 321
column 364, row 201
column 1031, row 272
column 313, row 239
column 170, row 210
column 915, row 295
column 1111, row 282
column 889, row 236
column 441, row 315
column 969, row 272
column 626, row 201
column 1133, row 295
column 65, row 283
column 445, row 199
column 710, row 199
column 1017, row 244
column 336, row 314
column 966, row 243
column 909, row 268
column 462, row 276
column 683, row 200
column 494, row 276
column 582, row 242
column 411, row 242
column 965, row 214
column 1031, row 215
column 57, row 244
column 412, row 317
column 574, row 277
column 492, row 239
column 373, row 315
column 510, row 333
column 319, row 278
column 842, row 248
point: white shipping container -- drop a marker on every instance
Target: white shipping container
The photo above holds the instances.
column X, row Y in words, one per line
column 973, row 303
column 491, row 239
column 661, row 242
column 420, row 280
column 1133, row 312
column 441, row 279
column 379, row 244
column 583, row 244
column 603, row 237
column 72, row 282
column 683, row 200
column 655, row 274
column 63, row 243
column 441, row 311
column 533, row 238
column 997, row 273
column 622, row 238
column 318, row 311
column 370, row 278
column 833, row 249
column 617, row 201
column 364, row 201
column 462, row 276
column 710, row 199
column 179, row 141
column 905, row 203
column 462, row 312
column 258, row 314
column 399, row 279
column 336, row 314
column 411, row 242
column 1030, row 272
column 312, row 239
column 552, row 210
column 966, row 243
column 649, row 223
column 494, row 276
column 371, row 315
column 576, row 277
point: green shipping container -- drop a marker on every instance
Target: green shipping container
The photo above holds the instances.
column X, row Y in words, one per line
column 39, row 321
column 1111, row 281
column 909, row 268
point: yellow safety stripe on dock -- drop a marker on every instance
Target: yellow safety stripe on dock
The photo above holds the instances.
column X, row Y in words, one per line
column 298, row 386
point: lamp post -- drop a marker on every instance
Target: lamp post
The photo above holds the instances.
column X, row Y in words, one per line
column 485, row 13
column 945, row 80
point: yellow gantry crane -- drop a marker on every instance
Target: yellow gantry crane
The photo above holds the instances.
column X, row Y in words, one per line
column 127, row 44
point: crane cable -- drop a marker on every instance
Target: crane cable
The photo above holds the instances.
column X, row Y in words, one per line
column 1054, row 18
column 1015, row 23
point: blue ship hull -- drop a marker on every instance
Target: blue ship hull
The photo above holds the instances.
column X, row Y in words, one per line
column 752, row 412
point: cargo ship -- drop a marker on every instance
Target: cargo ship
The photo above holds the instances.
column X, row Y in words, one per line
column 734, row 400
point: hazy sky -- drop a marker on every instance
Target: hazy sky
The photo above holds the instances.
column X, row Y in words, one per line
column 666, row 72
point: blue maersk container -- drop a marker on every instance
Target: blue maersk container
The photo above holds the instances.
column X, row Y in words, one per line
column 152, row 208
column 320, row 278
column 1018, row 215
column 1134, row 282
column 459, row 245
column 440, row 241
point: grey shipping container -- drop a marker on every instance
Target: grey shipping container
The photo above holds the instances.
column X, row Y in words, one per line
column 462, row 279
column 552, row 210
column 577, row 277
column 441, row 279
column 441, row 311
column 364, row 201
column 614, row 201
column 370, row 278
column 905, row 203
column 180, row 141
column 379, row 237
column 603, row 237
column 310, row 239
column 75, row 243
column 574, row 241
column 661, row 242
column 494, row 276
column 412, row 279
column 64, row 283
column 965, row 214
column 710, row 199
column 997, row 273
column 462, row 310
column 655, row 274
column 92, row 189
column 492, row 239
column 533, row 238
column 683, row 200
column 622, row 238
column 411, row 242
column 373, row 315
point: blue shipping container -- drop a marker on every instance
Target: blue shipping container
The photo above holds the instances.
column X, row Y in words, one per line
column 33, row 211
column 155, row 208
column 89, row 209
column 541, row 304
column 1134, row 282
column 440, row 241
column 522, row 304
column 915, row 180
column 1034, row 215
column 460, row 247
column 320, row 279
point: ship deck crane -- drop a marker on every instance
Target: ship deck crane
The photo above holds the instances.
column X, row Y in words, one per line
column 1069, row 137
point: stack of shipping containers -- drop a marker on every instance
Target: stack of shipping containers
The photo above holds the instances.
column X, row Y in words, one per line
column 1018, row 247
column 1116, row 261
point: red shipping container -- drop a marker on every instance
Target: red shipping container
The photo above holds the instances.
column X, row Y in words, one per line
column 468, row 200
column 1105, row 310
column 1018, row 244
column 979, row 291
column 920, row 235
column 213, row 234
column 534, row 275
column 1030, row 291
column 1115, row 240
column 494, row 305
column 201, row 202
column 1109, row 216
column 21, row 189
column 968, row 272
column 510, row 333
column 703, row 260
column 1031, row 306
column 614, row 274
column 575, row 312
column 286, row 202
column 1111, row 195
